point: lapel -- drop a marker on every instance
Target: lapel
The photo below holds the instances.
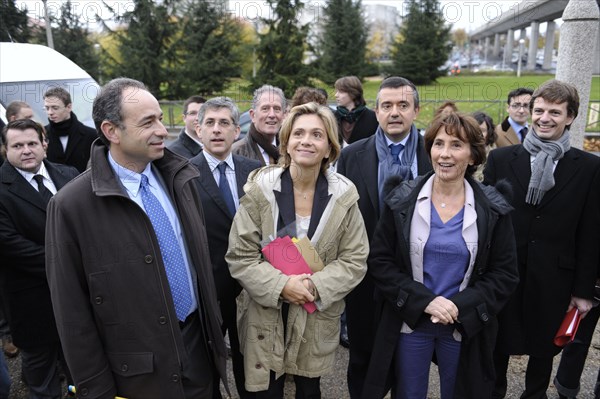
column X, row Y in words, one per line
column 57, row 175
column 320, row 202
column 18, row 186
column 566, row 168
column 286, row 225
column 209, row 185
column 367, row 158
column 242, row 170
column 520, row 163
column 190, row 144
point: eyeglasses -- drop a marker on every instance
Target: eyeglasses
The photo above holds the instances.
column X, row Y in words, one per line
column 222, row 122
column 517, row 106
column 192, row 113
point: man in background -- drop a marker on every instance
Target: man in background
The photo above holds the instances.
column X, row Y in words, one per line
column 188, row 144
column 514, row 127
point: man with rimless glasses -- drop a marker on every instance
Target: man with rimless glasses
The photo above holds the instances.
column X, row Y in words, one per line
column 514, row 128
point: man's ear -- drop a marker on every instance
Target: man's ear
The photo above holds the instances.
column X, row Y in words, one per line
column 111, row 132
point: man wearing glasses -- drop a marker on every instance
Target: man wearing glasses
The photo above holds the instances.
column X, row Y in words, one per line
column 188, row 144
column 514, row 128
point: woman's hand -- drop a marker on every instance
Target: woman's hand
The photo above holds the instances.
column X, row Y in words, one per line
column 295, row 292
column 442, row 310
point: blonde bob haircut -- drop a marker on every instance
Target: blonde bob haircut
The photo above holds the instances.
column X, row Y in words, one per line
column 331, row 127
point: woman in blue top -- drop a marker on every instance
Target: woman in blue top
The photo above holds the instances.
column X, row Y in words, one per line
column 444, row 260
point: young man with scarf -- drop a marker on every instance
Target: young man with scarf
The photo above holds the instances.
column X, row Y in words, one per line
column 396, row 149
column 267, row 113
column 556, row 195
column 69, row 140
column 355, row 120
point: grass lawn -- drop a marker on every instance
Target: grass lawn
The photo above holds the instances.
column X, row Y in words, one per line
column 469, row 92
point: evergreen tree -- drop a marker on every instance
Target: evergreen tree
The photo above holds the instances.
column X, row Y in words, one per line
column 146, row 46
column 280, row 51
column 343, row 42
column 423, row 45
column 13, row 23
column 206, row 57
column 73, row 40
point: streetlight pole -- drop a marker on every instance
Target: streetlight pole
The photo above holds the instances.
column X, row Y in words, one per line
column 521, row 43
column 49, row 38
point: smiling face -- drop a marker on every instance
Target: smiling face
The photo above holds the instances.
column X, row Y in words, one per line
column 268, row 114
column 396, row 112
column 450, row 156
column 308, row 143
column 24, row 149
column 218, row 132
column 550, row 120
column 141, row 139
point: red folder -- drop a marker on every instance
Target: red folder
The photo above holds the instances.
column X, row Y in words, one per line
column 568, row 328
column 283, row 254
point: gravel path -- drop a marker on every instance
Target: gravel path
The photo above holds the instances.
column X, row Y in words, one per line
column 334, row 386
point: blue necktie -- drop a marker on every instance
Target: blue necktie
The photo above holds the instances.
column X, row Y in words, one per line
column 395, row 151
column 523, row 134
column 170, row 250
column 224, row 187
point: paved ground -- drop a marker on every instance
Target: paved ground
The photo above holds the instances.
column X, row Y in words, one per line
column 334, row 386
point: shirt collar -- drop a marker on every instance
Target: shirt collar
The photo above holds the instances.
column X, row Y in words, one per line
column 29, row 176
column 516, row 127
column 130, row 179
column 403, row 142
column 214, row 162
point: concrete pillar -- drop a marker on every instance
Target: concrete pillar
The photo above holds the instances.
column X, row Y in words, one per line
column 508, row 47
column 574, row 62
column 523, row 34
column 533, row 45
column 596, row 57
column 549, row 49
column 486, row 49
column 496, row 52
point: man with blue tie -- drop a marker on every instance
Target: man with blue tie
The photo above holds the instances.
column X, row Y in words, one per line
column 514, row 127
column 128, row 264
column 27, row 182
column 396, row 149
column 222, row 178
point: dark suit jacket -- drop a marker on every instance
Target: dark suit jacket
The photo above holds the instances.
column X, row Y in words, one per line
column 359, row 163
column 185, row 146
column 557, row 246
column 218, row 218
column 23, row 267
column 79, row 145
column 365, row 126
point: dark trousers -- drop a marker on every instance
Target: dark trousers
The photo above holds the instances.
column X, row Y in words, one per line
column 4, row 378
column 537, row 377
column 40, row 371
column 228, row 312
column 198, row 368
column 306, row 388
column 361, row 324
column 573, row 356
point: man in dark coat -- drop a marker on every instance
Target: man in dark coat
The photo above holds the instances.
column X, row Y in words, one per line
column 368, row 162
column 556, row 196
column 26, row 184
column 218, row 127
column 187, row 143
column 69, row 140
column 128, row 262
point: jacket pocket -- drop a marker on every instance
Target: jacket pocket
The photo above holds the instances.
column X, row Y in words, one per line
column 566, row 262
column 102, row 299
column 131, row 364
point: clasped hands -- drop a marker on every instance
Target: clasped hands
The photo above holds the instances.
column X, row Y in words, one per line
column 442, row 311
column 299, row 289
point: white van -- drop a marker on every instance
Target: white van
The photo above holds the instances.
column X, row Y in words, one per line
column 27, row 71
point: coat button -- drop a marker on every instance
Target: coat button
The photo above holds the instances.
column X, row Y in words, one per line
column 84, row 392
column 257, row 366
column 98, row 300
column 162, row 320
column 148, row 258
column 124, row 367
column 484, row 317
column 260, row 337
column 175, row 378
column 400, row 303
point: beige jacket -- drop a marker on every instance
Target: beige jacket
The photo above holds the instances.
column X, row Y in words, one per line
column 341, row 241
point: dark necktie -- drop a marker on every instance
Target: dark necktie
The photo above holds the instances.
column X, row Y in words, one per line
column 224, row 187
column 43, row 190
column 170, row 251
column 523, row 134
column 395, row 150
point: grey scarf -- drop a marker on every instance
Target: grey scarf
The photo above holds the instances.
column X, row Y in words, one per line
column 542, row 168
